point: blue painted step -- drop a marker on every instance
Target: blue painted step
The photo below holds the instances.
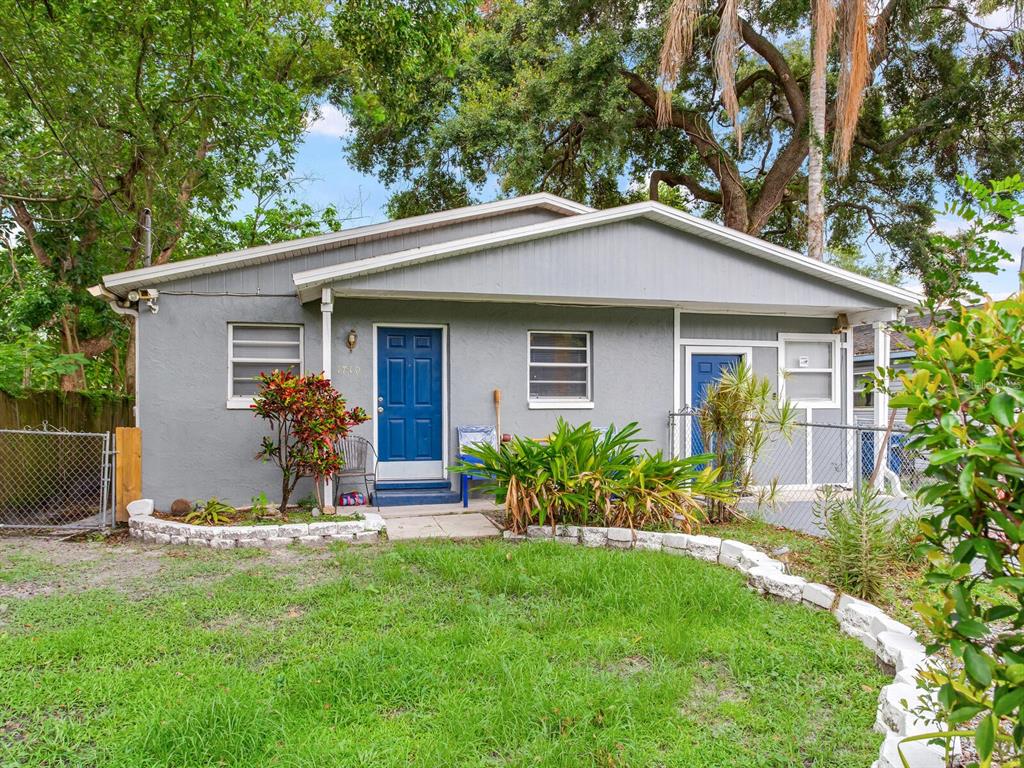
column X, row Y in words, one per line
column 414, row 493
column 415, row 485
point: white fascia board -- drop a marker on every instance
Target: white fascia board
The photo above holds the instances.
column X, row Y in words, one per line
column 121, row 282
column 311, row 279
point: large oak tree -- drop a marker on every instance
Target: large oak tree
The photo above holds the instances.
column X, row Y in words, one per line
column 563, row 96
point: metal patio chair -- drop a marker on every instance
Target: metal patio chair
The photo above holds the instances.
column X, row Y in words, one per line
column 471, row 435
column 356, row 453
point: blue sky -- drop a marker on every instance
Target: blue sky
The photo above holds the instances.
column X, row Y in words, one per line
column 331, row 181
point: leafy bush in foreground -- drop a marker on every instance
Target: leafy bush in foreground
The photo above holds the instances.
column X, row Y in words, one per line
column 964, row 400
column 587, row 476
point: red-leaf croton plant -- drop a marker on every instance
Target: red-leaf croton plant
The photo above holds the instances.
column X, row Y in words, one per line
column 307, row 417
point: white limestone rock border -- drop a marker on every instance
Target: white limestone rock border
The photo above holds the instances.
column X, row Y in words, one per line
column 896, row 648
column 154, row 530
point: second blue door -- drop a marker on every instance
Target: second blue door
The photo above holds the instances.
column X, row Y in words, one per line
column 707, row 369
column 409, row 406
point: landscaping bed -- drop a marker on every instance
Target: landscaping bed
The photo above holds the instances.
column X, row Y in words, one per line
column 363, row 528
column 432, row 654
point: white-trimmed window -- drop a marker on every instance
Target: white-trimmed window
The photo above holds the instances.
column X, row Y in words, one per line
column 810, row 369
column 559, row 369
column 255, row 348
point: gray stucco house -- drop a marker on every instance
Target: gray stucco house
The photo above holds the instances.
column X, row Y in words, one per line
column 608, row 316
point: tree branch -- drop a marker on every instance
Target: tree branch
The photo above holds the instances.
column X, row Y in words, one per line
column 711, row 153
column 676, row 179
column 184, row 196
column 783, row 74
column 754, row 77
column 24, row 219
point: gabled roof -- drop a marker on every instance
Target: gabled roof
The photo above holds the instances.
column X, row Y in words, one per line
column 121, row 283
column 309, row 283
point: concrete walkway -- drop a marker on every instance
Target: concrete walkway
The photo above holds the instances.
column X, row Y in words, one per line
column 440, row 521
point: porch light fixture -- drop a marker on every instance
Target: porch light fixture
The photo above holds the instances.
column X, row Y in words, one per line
column 351, row 339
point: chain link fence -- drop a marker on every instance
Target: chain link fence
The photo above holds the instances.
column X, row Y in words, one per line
column 794, row 467
column 52, row 478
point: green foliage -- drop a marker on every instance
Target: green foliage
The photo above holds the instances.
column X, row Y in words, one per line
column 212, row 512
column 108, row 107
column 875, row 266
column 954, row 259
column 32, row 363
column 963, row 400
column 558, row 96
column 860, row 535
column 738, row 417
column 262, row 507
column 588, row 476
column 308, row 503
column 307, row 417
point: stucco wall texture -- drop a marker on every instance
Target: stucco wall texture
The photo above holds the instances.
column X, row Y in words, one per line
column 195, row 447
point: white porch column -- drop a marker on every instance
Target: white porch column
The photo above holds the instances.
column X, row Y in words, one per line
column 881, row 402
column 326, row 308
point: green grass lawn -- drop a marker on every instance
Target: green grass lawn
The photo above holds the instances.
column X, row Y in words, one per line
column 432, row 654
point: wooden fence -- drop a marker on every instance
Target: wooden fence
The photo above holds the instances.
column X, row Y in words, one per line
column 72, row 411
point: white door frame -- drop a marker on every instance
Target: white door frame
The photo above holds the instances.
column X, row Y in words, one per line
column 407, row 470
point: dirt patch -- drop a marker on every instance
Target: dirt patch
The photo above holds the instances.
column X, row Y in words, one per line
column 627, row 666
column 33, row 566
column 12, row 731
column 715, row 685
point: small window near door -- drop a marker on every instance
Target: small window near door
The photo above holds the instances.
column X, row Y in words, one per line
column 560, row 369
column 809, row 370
column 257, row 348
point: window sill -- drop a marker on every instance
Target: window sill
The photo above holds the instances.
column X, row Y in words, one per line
column 239, row 404
column 558, row 405
column 814, row 405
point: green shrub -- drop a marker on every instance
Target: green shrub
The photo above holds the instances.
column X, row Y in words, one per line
column 306, row 416
column 964, row 399
column 212, row 512
column 859, row 546
column 587, row 476
column 906, row 539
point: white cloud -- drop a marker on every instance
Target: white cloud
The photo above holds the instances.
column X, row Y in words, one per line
column 328, row 120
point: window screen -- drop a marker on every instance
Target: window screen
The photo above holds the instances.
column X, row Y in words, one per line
column 559, row 365
column 256, row 349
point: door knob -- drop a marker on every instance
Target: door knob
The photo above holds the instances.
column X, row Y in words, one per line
column 380, row 409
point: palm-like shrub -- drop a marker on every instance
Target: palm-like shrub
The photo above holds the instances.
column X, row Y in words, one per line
column 586, row 476
column 738, row 417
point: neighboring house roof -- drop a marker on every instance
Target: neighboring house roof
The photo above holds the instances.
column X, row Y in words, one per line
column 309, row 282
column 121, row 283
column 900, row 345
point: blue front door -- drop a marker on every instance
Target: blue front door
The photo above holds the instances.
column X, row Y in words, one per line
column 707, row 369
column 409, row 405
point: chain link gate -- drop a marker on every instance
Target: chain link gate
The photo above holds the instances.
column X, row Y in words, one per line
column 50, row 478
